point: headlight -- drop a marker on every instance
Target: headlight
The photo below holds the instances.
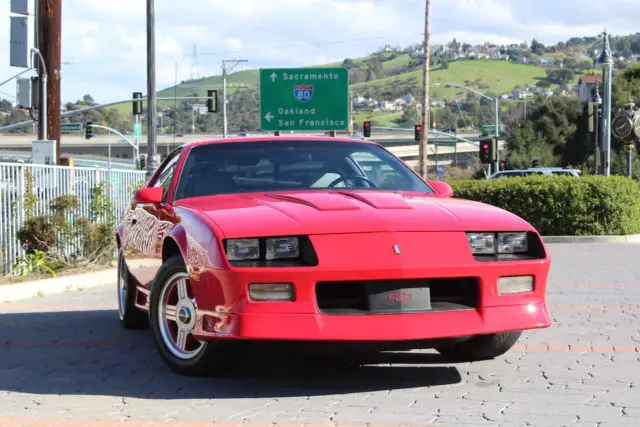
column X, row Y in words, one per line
column 271, row 251
column 282, row 248
column 482, row 243
column 512, row 243
column 485, row 243
column 243, row 249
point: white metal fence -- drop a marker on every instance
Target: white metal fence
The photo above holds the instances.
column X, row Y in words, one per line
column 47, row 183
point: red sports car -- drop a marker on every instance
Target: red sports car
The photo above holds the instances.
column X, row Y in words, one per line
column 320, row 239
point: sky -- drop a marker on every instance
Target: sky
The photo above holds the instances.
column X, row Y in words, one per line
column 104, row 42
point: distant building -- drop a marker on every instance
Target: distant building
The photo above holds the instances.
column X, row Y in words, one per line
column 586, row 86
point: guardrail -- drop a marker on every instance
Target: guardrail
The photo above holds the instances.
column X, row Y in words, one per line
column 47, row 183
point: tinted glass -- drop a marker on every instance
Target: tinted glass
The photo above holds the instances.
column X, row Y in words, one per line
column 263, row 166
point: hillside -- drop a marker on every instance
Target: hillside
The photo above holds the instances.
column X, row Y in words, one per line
column 393, row 72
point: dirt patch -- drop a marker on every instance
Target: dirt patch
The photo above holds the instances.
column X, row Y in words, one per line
column 10, row 280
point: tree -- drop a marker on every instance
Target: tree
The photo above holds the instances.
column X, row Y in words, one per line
column 88, row 100
column 627, row 85
column 555, row 131
column 537, row 47
column 560, row 76
column 524, row 144
column 411, row 115
column 5, row 106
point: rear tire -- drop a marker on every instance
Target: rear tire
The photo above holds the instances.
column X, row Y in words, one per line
column 481, row 347
column 173, row 318
column 130, row 316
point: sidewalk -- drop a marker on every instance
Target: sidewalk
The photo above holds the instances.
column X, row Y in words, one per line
column 55, row 285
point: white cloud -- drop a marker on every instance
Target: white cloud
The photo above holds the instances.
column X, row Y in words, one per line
column 104, row 43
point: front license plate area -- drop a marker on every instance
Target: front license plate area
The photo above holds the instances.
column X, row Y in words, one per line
column 389, row 298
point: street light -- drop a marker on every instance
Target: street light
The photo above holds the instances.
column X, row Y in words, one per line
column 495, row 165
column 597, row 102
column 606, row 63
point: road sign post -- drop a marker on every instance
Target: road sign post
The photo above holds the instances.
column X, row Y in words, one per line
column 304, row 99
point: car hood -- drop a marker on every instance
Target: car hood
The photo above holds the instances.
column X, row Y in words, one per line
column 332, row 212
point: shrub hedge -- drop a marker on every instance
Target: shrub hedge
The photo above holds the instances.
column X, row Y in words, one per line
column 556, row 205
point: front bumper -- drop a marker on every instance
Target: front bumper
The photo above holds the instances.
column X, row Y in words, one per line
column 225, row 311
column 391, row 327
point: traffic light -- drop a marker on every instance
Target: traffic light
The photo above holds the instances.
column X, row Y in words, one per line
column 137, row 105
column 88, row 130
column 212, row 100
column 535, row 163
column 417, row 132
column 142, row 162
column 366, row 128
column 485, row 151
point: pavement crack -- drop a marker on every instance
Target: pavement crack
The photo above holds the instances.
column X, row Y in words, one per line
column 505, row 408
column 486, row 417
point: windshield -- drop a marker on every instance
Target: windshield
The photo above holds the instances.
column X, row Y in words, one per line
column 264, row 166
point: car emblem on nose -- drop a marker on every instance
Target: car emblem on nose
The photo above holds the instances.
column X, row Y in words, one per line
column 396, row 249
column 400, row 296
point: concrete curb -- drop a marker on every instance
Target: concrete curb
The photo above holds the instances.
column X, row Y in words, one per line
column 632, row 238
column 56, row 285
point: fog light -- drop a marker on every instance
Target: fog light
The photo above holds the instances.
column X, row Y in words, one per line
column 271, row 291
column 515, row 285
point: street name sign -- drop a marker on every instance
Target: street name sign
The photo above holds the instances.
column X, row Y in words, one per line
column 70, row 127
column 137, row 130
column 304, row 99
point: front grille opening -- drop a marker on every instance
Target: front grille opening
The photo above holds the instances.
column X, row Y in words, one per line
column 362, row 297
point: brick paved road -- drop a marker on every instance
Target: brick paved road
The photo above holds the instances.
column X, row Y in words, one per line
column 64, row 361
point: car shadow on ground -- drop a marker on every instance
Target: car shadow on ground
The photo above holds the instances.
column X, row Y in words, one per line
column 88, row 353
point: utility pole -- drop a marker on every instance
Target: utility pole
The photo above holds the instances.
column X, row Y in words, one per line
column 152, row 109
column 49, row 45
column 225, row 70
column 424, row 155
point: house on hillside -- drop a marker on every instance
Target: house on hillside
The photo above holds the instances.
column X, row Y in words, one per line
column 586, row 85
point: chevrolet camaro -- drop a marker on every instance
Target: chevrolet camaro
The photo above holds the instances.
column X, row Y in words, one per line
column 320, row 240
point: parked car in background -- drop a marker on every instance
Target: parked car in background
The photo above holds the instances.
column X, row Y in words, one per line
column 536, row 171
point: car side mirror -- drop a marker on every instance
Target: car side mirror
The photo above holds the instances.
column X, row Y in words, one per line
column 441, row 188
column 148, row 195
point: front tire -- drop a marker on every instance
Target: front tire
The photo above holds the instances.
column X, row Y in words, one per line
column 481, row 347
column 130, row 316
column 173, row 318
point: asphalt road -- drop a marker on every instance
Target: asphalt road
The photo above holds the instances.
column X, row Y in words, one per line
column 65, row 361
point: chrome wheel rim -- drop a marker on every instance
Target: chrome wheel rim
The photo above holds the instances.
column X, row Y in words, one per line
column 177, row 316
column 122, row 287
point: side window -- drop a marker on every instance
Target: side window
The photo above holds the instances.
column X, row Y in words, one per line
column 166, row 174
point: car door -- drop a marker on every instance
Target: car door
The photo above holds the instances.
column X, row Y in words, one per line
column 151, row 222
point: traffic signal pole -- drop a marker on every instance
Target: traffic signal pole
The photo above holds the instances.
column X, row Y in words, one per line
column 152, row 109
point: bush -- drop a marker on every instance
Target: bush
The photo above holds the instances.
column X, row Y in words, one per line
column 590, row 205
column 37, row 234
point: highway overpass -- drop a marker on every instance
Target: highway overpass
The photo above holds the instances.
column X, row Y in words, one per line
column 448, row 149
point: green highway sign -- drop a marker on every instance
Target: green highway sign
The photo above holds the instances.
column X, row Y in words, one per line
column 137, row 130
column 70, row 127
column 444, row 143
column 304, row 99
